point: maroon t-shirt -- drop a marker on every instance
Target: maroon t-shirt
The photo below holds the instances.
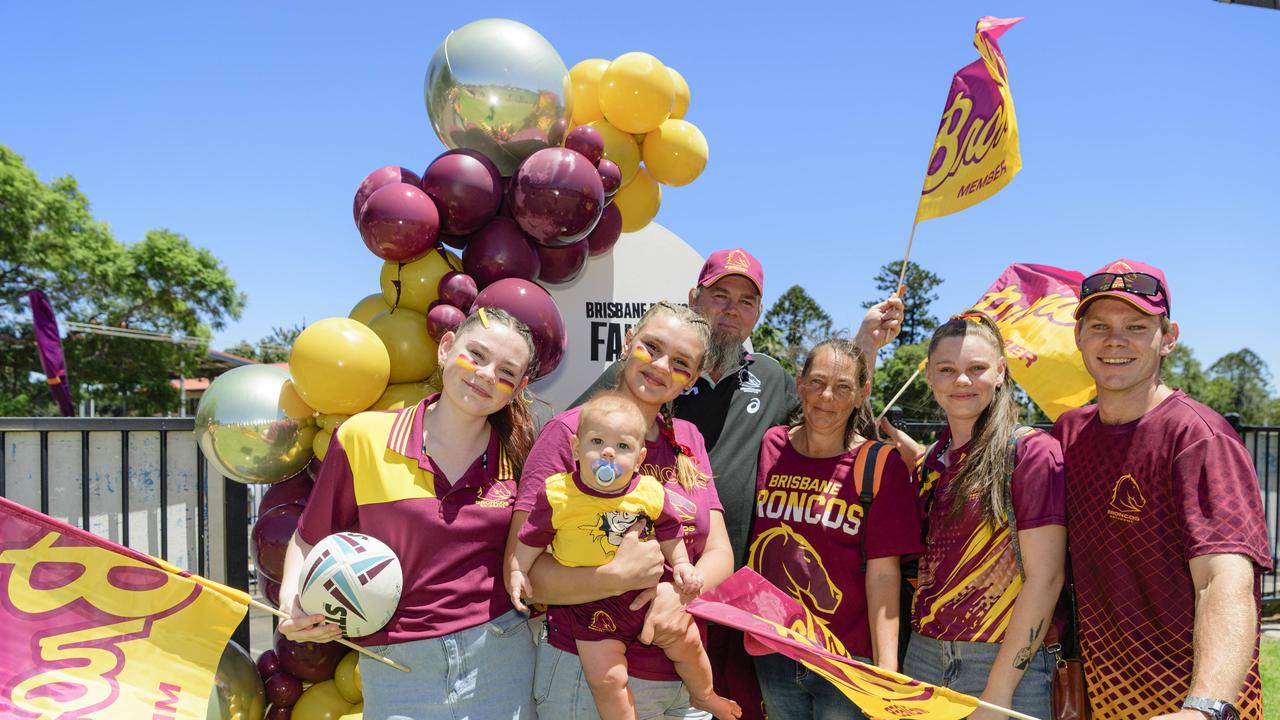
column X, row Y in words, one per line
column 811, row 540
column 449, row 533
column 968, row 576
column 1143, row 498
column 551, row 455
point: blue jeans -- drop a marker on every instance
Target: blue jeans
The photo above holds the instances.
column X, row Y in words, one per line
column 963, row 666
column 561, row 692
column 794, row 692
column 481, row 673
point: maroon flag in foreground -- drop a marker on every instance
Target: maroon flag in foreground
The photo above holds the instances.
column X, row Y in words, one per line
column 773, row 621
column 50, row 347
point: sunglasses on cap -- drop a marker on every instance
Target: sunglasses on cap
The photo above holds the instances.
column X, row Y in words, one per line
column 1137, row 283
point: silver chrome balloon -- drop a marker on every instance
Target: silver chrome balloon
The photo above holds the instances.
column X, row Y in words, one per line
column 238, row 693
column 242, row 429
column 498, row 87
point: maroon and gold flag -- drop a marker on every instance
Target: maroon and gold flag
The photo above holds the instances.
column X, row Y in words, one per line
column 49, row 345
column 774, row 622
column 96, row 630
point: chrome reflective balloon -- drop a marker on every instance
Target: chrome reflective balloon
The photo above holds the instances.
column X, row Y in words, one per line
column 498, row 87
column 238, row 692
column 244, row 432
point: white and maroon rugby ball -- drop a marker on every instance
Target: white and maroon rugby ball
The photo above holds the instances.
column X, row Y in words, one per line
column 353, row 580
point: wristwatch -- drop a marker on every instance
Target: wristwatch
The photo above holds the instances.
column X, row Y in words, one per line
column 1215, row 709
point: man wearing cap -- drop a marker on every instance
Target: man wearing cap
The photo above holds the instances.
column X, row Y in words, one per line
column 1164, row 518
column 739, row 396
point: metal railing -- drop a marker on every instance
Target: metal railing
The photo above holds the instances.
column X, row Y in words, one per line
column 139, row 482
column 1263, row 444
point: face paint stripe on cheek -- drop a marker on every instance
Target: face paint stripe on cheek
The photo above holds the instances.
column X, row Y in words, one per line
column 465, row 362
column 641, row 353
column 680, row 376
column 506, row 386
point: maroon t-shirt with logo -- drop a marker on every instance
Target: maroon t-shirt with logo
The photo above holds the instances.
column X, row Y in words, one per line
column 811, row 540
column 968, row 576
column 1143, row 498
column 551, row 455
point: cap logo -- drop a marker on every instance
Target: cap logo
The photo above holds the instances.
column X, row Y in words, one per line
column 1120, row 267
column 737, row 262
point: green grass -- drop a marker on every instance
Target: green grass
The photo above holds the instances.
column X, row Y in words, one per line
column 1270, row 666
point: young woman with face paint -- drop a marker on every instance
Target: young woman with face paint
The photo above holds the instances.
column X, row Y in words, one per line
column 663, row 356
column 987, row 592
column 436, row 482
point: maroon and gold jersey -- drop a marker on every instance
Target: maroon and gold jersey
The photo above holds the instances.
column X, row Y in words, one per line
column 1144, row 498
column 968, row 577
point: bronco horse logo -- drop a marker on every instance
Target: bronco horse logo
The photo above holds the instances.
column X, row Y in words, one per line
column 782, row 555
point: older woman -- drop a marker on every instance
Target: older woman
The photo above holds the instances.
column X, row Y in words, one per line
column 994, row 500
column 824, row 540
column 436, row 483
column 663, row 356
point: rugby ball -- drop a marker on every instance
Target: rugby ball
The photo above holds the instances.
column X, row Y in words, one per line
column 353, row 580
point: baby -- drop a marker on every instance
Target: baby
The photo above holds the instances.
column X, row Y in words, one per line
column 582, row 516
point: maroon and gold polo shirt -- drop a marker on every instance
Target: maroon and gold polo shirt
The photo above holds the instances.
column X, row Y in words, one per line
column 448, row 533
column 1144, row 498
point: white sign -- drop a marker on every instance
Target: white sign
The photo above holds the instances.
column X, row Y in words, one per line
column 608, row 298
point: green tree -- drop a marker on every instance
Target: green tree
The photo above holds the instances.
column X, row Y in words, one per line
column 1245, row 384
column 162, row 284
column 919, row 295
column 801, row 321
column 916, row 402
column 273, row 348
column 767, row 339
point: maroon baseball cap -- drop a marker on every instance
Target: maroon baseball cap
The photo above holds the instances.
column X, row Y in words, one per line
column 732, row 262
column 1150, row 297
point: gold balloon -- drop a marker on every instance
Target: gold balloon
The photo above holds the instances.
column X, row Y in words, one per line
column 355, row 713
column 621, row 148
column 244, row 427
column 681, row 104
column 339, row 366
column 636, row 92
column 586, row 83
column 498, row 87
column 320, row 444
column 331, row 421
column 292, row 403
column 402, row 395
column 238, row 693
column 347, row 678
column 675, row 153
column 321, row 701
column 368, row 308
column 419, row 280
column 638, row 202
column 412, row 351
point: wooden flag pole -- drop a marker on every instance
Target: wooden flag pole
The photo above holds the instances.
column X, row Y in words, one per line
column 897, row 395
column 367, row 653
column 902, row 275
column 1004, row 711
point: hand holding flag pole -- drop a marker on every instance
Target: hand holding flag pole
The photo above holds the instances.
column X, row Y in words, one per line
column 342, row 641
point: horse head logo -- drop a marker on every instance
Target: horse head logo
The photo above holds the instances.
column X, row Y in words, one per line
column 1126, row 496
column 781, row 554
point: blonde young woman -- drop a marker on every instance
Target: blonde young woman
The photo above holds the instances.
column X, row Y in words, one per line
column 663, row 356
column 994, row 503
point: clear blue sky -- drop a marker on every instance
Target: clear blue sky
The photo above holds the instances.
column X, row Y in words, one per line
column 1149, row 131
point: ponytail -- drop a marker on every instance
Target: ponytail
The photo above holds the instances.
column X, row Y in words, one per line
column 688, row 474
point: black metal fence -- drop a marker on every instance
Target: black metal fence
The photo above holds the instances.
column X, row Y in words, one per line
column 1263, row 443
column 140, row 482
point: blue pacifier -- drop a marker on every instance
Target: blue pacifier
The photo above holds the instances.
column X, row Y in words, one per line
column 605, row 471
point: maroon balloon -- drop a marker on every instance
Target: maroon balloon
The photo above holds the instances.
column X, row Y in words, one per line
column 279, row 713
column 467, row 188
column 271, row 536
column 586, row 140
column 499, row 251
column 399, row 222
column 534, row 307
column 607, row 231
column 555, row 134
column 378, row 178
column 271, row 591
column 454, row 241
column 442, row 318
column 563, row 264
column 268, row 664
column 295, row 489
column 458, row 289
column 557, row 196
column 610, row 177
column 308, row 661
column 283, row 690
